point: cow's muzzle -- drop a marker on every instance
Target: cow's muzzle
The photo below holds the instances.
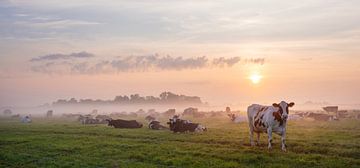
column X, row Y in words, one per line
column 284, row 117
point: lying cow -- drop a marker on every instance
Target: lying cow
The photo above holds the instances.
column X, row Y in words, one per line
column 178, row 125
column 269, row 119
column 92, row 121
column 237, row 119
column 26, row 119
column 119, row 123
column 321, row 117
column 155, row 125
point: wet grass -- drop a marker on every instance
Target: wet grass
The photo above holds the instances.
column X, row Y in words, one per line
column 56, row 143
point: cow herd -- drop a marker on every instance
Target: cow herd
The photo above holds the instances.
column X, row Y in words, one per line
column 268, row 119
column 261, row 119
column 175, row 124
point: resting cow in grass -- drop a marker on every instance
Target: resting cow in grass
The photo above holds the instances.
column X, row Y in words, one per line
column 155, row 125
column 124, row 123
column 26, row 119
column 237, row 119
column 178, row 125
column 269, row 119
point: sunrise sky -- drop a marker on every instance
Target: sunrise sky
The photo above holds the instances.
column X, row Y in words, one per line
column 226, row 52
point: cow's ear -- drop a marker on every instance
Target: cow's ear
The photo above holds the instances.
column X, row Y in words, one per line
column 275, row 105
column 291, row 104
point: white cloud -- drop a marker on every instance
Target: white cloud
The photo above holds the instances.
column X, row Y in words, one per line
column 58, row 63
column 57, row 24
column 52, row 57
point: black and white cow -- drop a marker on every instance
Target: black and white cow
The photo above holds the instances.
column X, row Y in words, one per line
column 124, row 123
column 178, row 125
column 155, row 125
column 269, row 119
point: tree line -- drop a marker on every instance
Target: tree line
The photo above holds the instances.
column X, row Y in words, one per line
column 163, row 98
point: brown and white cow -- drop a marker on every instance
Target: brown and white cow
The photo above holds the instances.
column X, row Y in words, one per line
column 269, row 119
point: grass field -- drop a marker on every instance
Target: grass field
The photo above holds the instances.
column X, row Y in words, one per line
column 57, row 143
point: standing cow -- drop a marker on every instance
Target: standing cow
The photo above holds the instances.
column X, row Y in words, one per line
column 269, row 119
column 49, row 113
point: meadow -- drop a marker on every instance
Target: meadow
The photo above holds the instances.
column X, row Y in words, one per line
column 60, row 143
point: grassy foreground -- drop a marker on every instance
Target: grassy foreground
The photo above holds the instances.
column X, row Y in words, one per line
column 56, row 143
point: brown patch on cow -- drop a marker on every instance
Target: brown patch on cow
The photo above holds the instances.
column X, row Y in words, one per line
column 259, row 117
column 278, row 118
column 263, row 108
column 280, row 110
column 262, row 116
column 257, row 114
column 256, row 122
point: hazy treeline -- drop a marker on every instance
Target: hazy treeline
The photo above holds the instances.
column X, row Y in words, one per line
column 164, row 98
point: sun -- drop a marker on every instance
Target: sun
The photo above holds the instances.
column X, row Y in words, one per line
column 255, row 78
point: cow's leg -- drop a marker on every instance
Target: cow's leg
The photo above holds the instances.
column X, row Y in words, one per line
column 252, row 136
column 269, row 131
column 258, row 138
column 283, row 145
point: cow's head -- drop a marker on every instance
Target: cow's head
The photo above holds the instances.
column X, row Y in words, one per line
column 284, row 108
column 171, row 124
column 109, row 122
column 140, row 125
column 232, row 116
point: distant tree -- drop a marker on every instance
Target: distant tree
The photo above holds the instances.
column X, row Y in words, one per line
column 72, row 101
column 164, row 97
column 7, row 112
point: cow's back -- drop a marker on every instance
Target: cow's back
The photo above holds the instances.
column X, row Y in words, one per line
column 253, row 110
column 119, row 123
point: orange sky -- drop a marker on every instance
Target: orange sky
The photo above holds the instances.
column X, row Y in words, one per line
column 294, row 80
column 309, row 51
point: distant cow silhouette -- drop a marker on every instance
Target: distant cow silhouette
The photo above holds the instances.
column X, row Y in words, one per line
column 49, row 113
column 119, row 123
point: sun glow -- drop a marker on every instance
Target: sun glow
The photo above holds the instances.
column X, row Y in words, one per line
column 255, row 78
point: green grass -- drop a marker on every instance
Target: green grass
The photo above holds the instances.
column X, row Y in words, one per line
column 56, row 143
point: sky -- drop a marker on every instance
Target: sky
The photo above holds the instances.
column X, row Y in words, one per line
column 226, row 52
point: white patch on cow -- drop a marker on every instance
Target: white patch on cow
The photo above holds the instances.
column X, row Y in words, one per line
column 200, row 128
column 26, row 119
